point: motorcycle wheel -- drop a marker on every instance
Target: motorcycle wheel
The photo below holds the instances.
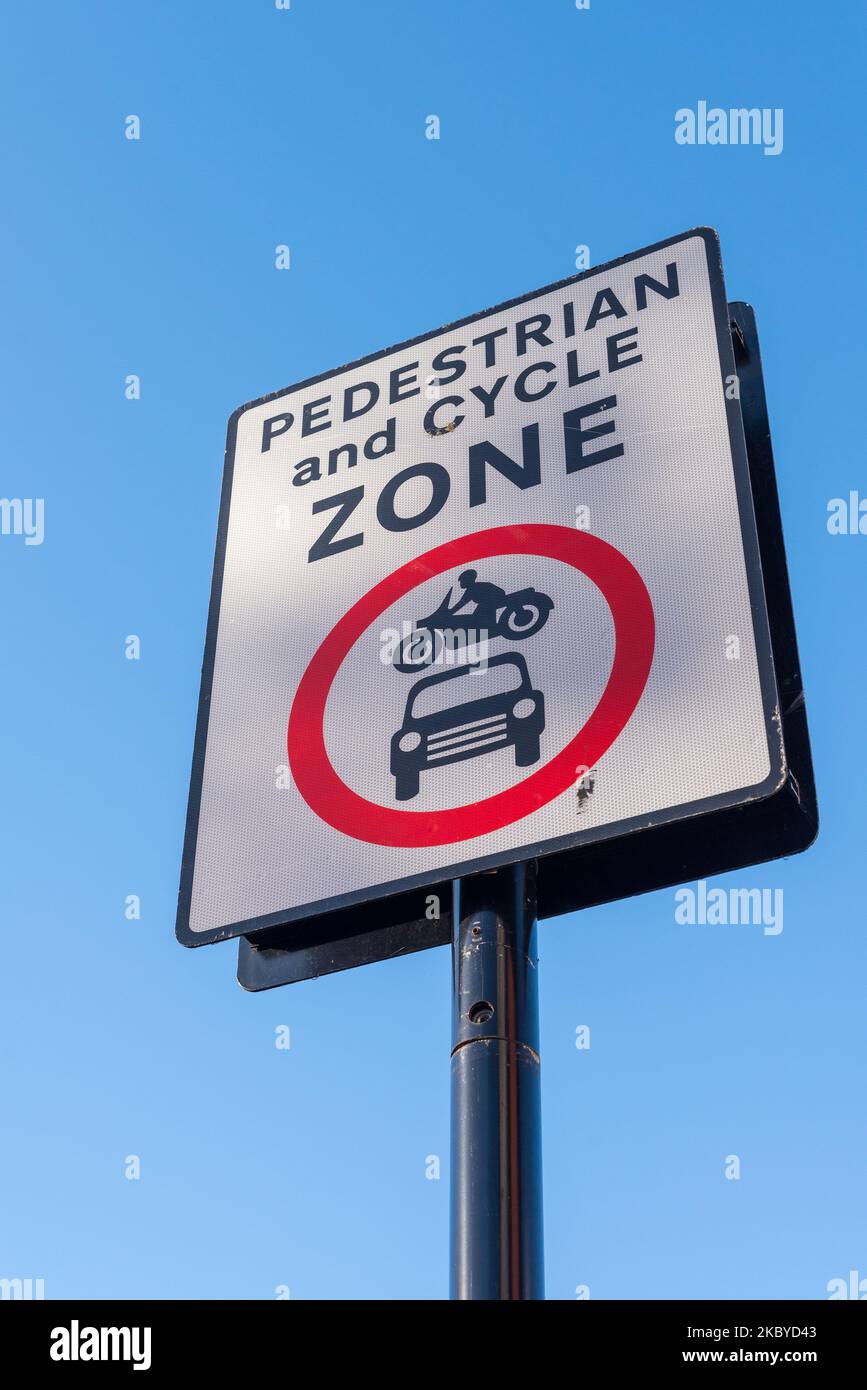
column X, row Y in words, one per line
column 524, row 620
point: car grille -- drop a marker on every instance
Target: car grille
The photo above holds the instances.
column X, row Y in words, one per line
column 481, row 733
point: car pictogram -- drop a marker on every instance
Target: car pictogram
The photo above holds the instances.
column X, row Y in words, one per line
column 464, row 713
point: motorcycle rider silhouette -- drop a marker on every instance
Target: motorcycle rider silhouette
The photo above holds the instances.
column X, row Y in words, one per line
column 488, row 599
column 496, row 613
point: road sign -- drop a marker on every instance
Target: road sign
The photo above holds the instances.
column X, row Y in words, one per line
column 491, row 595
column 693, row 848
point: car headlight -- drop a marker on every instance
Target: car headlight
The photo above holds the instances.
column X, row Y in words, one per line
column 408, row 742
column 524, row 708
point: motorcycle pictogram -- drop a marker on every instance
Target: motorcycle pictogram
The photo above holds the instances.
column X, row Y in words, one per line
column 495, row 613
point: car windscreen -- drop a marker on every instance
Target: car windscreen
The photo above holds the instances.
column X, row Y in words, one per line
column 469, row 683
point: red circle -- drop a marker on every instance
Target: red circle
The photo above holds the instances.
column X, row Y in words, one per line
column 632, row 611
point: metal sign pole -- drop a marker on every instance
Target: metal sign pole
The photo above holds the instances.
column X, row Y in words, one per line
column 496, row 1143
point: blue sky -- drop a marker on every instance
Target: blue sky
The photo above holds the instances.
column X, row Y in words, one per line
column 306, row 127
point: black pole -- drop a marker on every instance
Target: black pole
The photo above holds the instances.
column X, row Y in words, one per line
column 496, row 1164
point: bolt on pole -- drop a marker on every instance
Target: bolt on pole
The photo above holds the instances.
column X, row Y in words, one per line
column 496, row 1141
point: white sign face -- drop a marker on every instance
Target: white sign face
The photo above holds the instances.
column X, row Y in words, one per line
column 482, row 597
